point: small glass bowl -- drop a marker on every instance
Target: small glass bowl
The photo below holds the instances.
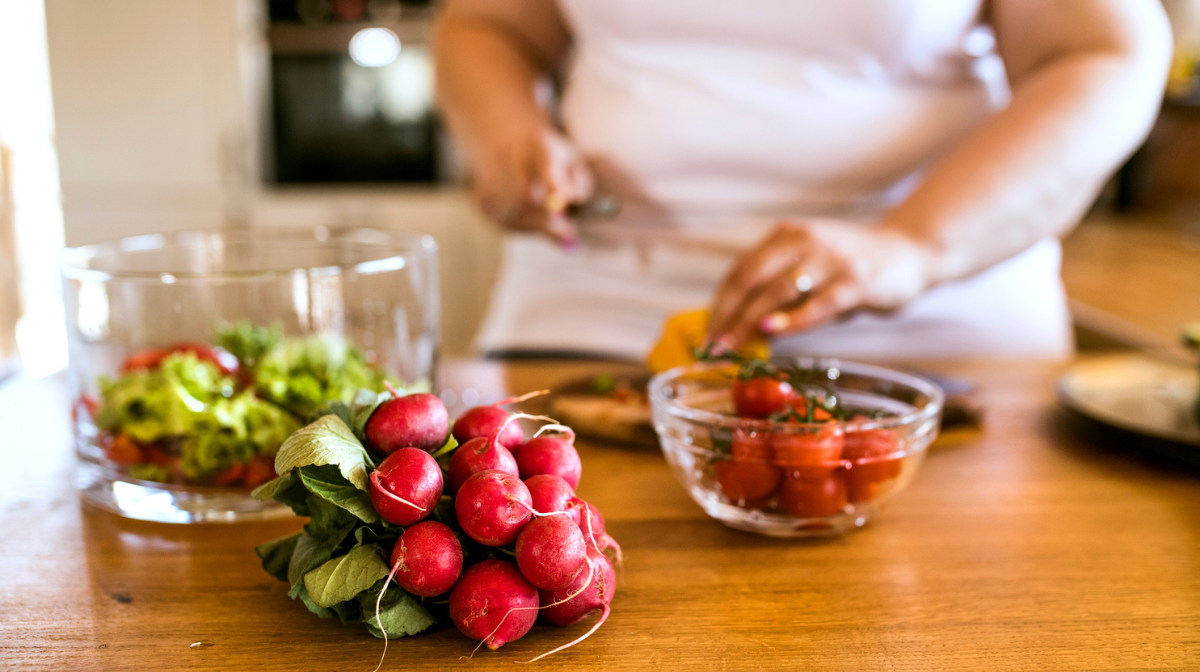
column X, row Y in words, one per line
column 374, row 290
column 795, row 479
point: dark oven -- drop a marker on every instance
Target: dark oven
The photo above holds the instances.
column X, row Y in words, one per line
column 352, row 92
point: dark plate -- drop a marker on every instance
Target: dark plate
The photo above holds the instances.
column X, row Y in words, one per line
column 1136, row 393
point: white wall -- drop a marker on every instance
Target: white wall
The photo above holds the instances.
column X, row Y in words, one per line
column 159, row 106
column 31, row 232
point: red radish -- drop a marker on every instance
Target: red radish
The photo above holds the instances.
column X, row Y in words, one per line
column 551, row 551
column 492, row 507
column 550, row 454
column 551, row 493
column 476, row 455
column 493, row 603
column 601, row 584
column 406, row 486
column 427, row 559
column 483, row 421
column 415, row 420
column 591, row 523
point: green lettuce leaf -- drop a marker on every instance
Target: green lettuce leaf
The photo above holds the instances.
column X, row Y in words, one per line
column 303, row 374
column 328, row 482
column 326, row 441
column 344, row 577
column 247, row 342
column 276, row 554
column 171, row 400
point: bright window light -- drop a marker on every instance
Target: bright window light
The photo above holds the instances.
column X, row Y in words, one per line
column 374, row 47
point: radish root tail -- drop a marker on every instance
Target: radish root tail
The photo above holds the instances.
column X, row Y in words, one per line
column 524, row 397
column 589, row 633
column 591, row 535
column 609, row 542
column 557, row 429
column 378, row 619
column 401, row 499
column 395, row 394
column 535, row 512
column 518, row 416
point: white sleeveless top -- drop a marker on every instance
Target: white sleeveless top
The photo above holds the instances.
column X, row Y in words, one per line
column 712, row 119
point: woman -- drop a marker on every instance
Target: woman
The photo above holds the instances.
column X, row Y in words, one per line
column 880, row 178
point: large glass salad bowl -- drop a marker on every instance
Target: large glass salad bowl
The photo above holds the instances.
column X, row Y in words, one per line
column 195, row 354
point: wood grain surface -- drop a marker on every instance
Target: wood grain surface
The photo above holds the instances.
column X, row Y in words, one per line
column 1032, row 545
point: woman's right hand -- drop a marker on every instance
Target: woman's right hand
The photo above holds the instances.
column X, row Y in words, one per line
column 527, row 179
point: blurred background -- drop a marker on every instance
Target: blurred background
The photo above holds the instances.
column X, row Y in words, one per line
column 123, row 117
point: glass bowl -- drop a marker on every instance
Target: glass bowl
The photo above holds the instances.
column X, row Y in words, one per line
column 169, row 428
column 798, row 478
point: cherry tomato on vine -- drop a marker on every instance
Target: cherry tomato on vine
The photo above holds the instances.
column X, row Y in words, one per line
column 748, row 473
column 806, row 497
column 152, row 358
column 874, row 461
column 812, row 451
column 761, row 396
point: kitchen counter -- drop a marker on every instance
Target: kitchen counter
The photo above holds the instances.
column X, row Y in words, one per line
column 1032, row 544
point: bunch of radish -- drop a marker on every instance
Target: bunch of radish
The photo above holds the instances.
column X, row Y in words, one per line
column 517, row 542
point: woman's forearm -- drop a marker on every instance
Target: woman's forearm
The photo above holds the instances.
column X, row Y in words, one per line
column 1032, row 170
column 487, row 72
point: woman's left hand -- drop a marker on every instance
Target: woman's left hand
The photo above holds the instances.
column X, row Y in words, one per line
column 807, row 273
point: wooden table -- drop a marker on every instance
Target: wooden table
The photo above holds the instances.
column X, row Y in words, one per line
column 1029, row 546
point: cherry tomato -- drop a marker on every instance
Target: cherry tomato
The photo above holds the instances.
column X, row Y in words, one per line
column 762, row 396
column 152, row 358
column 812, row 451
column 88, row 403
column 156, row 455
column 230, row 476
column 259, row 470
column 805, row 497
column 748, row 474
column 872, row 454
column 209, row 353
column 144, row 359
column 124, row 450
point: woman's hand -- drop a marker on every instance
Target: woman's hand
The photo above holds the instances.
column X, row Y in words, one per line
column 805, row 274
column 526, row 181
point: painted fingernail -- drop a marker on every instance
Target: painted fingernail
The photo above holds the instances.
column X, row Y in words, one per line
column 720, row 346
column 570, row 244
column 773, row 323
